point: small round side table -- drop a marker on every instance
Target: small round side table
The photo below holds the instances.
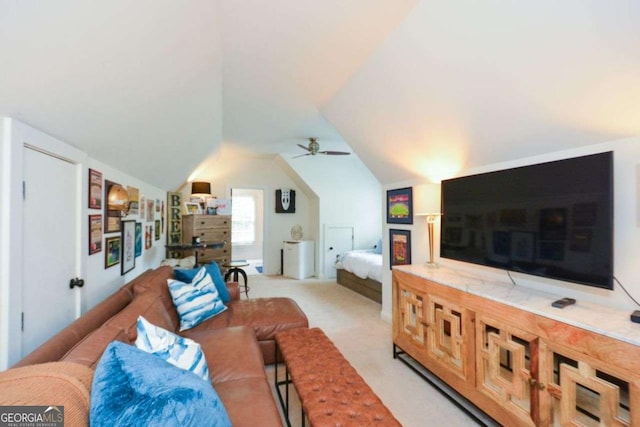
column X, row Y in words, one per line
column 235, row 268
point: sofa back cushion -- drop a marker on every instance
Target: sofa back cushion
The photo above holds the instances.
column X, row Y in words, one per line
column 88, row 351
column 56, row 347
column 148, row 305
column 156, row 281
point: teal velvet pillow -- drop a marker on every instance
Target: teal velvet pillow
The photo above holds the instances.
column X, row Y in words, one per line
column 214, row 271
column 135, row 388
column 196, row 301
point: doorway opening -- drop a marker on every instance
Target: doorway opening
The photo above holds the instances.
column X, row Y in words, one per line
column 247, row 228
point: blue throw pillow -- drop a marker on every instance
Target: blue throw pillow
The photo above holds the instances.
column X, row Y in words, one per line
column 214, row 271
column 196, row 301
column 179, row 351
column 135, row 388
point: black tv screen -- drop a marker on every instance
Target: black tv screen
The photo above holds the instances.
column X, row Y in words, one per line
column 551, row 219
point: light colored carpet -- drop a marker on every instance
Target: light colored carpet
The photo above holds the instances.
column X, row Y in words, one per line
column 353, row 323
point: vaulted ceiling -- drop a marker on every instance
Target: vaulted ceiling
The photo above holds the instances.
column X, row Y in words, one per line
column 414, row 88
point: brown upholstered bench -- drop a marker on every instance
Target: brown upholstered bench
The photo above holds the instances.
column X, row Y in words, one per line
column 331, row 392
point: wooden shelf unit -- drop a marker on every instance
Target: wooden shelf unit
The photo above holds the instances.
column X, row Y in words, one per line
column 520, row 368
column 211, row 229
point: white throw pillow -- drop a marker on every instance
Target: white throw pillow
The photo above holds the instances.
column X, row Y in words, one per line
column 179, row 351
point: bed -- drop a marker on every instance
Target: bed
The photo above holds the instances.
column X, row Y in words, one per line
column 361, row 271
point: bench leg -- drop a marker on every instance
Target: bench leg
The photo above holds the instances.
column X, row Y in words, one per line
column 285, row 382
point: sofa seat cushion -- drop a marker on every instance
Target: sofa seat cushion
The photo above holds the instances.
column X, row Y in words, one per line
column 266, row 316
column 60, row 383
column 147, row 305
column 249, row 402
column 88, row 351
column 231, row 353
column 132, row 387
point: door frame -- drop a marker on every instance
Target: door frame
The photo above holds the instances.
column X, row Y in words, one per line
column 265, row 218
column 325, row 243
column 15, row 135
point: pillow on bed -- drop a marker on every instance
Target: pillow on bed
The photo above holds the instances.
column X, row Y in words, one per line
column 378, row 248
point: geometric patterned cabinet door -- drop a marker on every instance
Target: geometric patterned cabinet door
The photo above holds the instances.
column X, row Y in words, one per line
column 447, row 336
column 506, row 367
column 585, row 395
column 413, row 317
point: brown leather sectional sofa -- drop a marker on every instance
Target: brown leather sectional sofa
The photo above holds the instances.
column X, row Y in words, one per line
column 237, row 344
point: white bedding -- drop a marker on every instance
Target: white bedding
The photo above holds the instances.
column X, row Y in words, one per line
column 364, row 264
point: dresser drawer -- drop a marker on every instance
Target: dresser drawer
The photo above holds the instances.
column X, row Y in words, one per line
column 204, row 222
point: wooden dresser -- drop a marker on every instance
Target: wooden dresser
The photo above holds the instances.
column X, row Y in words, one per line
column 521, row 361
column 212, row 229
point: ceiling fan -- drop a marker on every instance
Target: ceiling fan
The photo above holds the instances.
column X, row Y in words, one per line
column 314, row 148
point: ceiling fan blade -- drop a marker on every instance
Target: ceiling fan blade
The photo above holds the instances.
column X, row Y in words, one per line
column 303, row 147
column 301, row 155
column 334, row 153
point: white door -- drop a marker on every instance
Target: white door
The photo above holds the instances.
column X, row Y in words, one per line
column 50, row 246
column 338, row 240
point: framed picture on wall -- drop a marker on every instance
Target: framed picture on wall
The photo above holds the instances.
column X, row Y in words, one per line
column 399, row 247
column 158, row 230
column 95, row 189
column 112, row 217
column 128, row 246
column 95, row 234
column 400, row 206
column 112, row 252
column 138, row 239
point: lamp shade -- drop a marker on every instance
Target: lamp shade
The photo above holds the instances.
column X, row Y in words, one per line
column 201, row 188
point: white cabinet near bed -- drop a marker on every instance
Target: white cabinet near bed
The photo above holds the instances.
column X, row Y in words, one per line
column 298, row 259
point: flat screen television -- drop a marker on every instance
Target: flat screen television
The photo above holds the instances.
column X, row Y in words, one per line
column 551, row 219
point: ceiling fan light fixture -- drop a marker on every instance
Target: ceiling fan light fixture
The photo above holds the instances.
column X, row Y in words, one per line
column 314, row 148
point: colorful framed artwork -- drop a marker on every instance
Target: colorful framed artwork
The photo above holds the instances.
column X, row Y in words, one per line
column 138, row 239
column 95, row 189
column 192, row 208
column 95, row 234
column 150, row 210
column 111, row 217
column 133, row 201
column 400, row 206
column 158, row 230
column 112, row 252
column 128, row 262
column 148, row 240
column 142, row 207
column 400, row 247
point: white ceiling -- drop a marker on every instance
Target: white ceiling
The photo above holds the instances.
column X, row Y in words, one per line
column 415, row 88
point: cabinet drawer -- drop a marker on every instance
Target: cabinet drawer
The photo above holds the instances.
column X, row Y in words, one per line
column 202, row 222
column 213, row 253
column 212, row 236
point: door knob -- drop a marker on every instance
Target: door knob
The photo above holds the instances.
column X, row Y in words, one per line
column 76, row 282
column 331, row 248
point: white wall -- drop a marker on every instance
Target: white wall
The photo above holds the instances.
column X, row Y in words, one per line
column 98, row 281
column 626, row 231
column 101, row 282
column 349, row 195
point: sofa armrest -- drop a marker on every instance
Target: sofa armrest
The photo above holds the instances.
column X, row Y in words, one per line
column 234, row 290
